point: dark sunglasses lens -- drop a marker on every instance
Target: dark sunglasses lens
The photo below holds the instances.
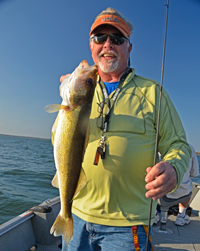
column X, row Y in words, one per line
column 117, row 40
column 100, row 39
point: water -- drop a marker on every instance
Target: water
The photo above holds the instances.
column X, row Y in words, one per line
column 197, row 180
column 27, row 168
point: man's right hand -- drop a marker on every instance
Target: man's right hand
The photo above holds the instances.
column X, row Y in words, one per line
column 64, row 76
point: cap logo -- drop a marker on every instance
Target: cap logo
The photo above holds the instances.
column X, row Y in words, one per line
column 110, row 19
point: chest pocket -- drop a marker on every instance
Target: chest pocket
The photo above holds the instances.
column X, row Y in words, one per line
column 127, row 115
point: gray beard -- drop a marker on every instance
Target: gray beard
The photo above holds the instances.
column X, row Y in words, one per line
column 110, row 66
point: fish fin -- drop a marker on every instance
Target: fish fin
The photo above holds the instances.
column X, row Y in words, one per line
column 54, row 181
column 81, row 182
column 55, row 108
column 63, row 226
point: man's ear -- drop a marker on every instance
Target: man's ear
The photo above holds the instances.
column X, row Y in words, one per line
column 130, row 47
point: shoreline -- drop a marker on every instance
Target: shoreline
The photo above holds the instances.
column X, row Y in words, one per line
column 27, row 137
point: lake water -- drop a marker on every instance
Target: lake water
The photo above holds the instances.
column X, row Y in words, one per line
column 27, row 168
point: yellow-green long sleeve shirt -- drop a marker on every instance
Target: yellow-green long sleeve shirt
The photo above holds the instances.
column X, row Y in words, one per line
column 115, row 190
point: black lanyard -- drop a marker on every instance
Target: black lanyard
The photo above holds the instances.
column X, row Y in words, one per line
column 110, row 102
column 101, row 149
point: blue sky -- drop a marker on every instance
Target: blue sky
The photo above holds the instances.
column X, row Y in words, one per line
column 40, row 40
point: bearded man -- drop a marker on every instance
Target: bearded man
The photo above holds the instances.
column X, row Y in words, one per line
column 111, row 212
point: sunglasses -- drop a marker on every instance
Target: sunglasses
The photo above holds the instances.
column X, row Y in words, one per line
column 115, row 39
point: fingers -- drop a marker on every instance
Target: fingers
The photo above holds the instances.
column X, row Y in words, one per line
column 160, row 179
column 148, row 169
column 159, row 188
column 63, row 77
column 155, row 171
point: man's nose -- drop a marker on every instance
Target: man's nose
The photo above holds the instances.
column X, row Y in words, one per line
column 108, row 43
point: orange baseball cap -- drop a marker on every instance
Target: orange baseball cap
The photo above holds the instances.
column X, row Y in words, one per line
column 113, row 20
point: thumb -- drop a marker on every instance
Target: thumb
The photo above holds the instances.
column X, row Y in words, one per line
column 63, row 77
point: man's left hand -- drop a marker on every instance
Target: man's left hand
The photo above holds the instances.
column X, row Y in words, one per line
column 161, row 179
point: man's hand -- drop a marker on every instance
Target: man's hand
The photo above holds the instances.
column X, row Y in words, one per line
column 161, row 179
column 64, row 76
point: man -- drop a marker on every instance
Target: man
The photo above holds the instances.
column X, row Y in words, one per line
column 185, row 188
column 112, row 210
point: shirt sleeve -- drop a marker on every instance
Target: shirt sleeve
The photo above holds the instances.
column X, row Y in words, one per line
column 173, row 145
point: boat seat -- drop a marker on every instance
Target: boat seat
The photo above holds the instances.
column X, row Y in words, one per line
column 165, row 203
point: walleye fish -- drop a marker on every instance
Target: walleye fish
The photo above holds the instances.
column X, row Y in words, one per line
column 70, row 141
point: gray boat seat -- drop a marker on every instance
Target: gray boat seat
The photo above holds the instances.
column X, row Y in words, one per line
column 165, row 203
column 168, row 202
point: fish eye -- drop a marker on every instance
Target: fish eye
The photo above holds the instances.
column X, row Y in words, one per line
column 89, row 81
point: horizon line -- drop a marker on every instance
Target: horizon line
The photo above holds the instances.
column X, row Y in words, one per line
column 28, row 137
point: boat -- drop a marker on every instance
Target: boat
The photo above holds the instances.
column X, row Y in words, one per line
column 31, row 229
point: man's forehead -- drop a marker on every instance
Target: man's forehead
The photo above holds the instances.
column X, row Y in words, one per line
column 106, row 28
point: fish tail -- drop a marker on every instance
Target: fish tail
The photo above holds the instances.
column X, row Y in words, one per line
column 63, row 226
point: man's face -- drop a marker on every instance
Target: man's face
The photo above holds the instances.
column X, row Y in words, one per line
column 108, row 56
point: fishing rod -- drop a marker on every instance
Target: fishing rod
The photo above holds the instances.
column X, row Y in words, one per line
column 158, row 121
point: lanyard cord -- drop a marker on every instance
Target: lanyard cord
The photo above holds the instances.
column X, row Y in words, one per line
column 111, row 102
column 101, row 149
column 158, row 121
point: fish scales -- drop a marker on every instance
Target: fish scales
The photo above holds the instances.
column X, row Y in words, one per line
column 68, row 150
column 70, row 134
